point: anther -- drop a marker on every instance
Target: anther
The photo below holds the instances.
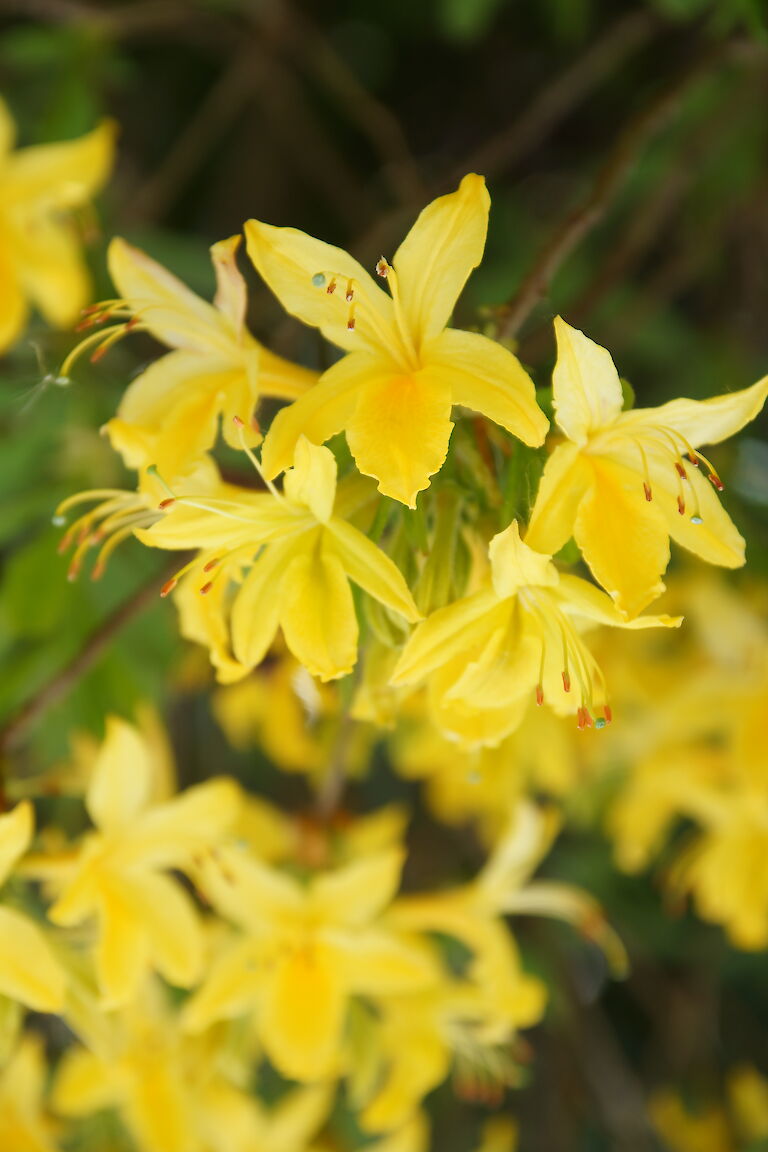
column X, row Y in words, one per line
column 681, row 505
column 168, row 587
column 211, row 564
column 99, row 354
column 331, row 287
column 206, row 588
column 74, row 570
column 715, row 479
column 648, row 491
column 351, row 321
column 539, row 695
column 238, row 423
column 382, row 268
column 566, row 681
column 167, row 503
column 681, row 470
column 607, row 713
column 349, row 295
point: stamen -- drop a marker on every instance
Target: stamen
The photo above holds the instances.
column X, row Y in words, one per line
column 167, row 503
column 539, row 694
column 240, row 425
column 382, row 268
column 566, row 681
column 349, row 295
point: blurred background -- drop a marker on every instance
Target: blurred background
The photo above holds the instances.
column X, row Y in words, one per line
column 626, row 151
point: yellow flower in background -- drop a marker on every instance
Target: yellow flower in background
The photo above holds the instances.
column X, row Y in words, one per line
column 305, row 952
column 404, row 370
column 488, row 653
column 169, row 416
column 118, row 873
column 40, row 257
column 178, row 1093
column 29, row 971
column 293, row 556
column 705, row 1129
column 25, row 1124
column 623, row 483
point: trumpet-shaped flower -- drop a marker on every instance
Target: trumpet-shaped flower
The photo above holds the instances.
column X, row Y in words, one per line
column 404, row 370
column 293, row 558
column 29, row 971
column 169, row 416
column 40, row 258
column 305, row 952
column 623, row 483
column 487, row 653
column 145, row 919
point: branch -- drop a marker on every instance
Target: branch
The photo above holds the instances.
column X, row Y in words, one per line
column 608, row 183
column 67, row 677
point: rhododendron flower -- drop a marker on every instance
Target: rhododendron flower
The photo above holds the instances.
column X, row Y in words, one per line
column 393, row 392
column 40, row 258
column 623, row 483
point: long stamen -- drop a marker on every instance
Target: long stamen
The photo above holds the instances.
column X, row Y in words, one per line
column 385, row 270
column 240, row 425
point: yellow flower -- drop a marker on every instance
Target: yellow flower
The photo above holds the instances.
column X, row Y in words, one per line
column 393, row 393
column 145, row 919
column 298, row 556
column 176, row 1093
column 623, row 483
column 29, row 971
column 40, row 259
column 704, row 1130
column 748, row 1101
column 306, row 951
column 489, row 652
column 24, row 1125
column 169, row 416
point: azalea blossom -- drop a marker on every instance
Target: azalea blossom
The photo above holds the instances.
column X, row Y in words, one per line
column 404, row 370
column 293, row 555
column 118, row 872
column 40, row 258
column 169, row 415
column 623, row 483
column 485, row 655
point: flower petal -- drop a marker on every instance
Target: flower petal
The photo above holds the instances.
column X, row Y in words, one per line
column 13, row 306
column 322, row 411
column 399, row 432
column 123, row 948
column 622, row 537
column 231, row 988
column 487, row 378
column 300, row 269
column 566, row 478
column 7, row 130
column 434, row 261
column 370, row 568
column 303, row 1005
column 171, row 923
column 716, row 539
column 231, row 297
column 16, row 831
column 122, row 777
column 378, row 964
column 248, row 892
column 447, row 633
column 358, row 893
column 515, row 565
column 317, row 614
column 171, row 312
column 312, row 480
column 51, row 271
column 702, row 421
column 256, row 608
column 580, row 598
column 29, row 972
column 63, row 175
column 587, row 389
column 170, row 835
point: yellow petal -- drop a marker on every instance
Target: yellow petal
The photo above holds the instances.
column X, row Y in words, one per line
column 257, row 519
column 231, row 989
column 322, row 411
column 29, row 971
column 83, row 1084
column 423, row 1064
column 123, row 949
column 248, row 892
column 16, row 830
column 300, row 269
column 514, row 565
column 358, row 893
column 256, row 608
column 580, row 598
column 445, row 634
column 297, row 1116
column 122, row 777
column 622, row 537
column 312, row 480
column 505, row 669
column 566, row 478
column 371, row 569
column 171, row 923
column 171, row 312
column 587, row 389
column 399, row 432
column 487, row 378
column 13, row 306
column 170, row 835
column 317, row 614
column 60, row 176
column 716, row 539
column 7, row 130
column 434, row 261
column 702, row 421
column 231, row 297
column 283, row 378
column 156, row 1105
column 378, row 964
column 303, row 1012
column 52, row 273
